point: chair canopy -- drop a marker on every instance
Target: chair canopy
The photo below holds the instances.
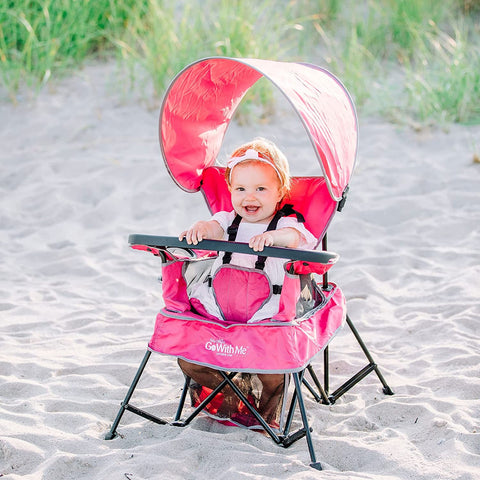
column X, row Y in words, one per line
column 201, row 100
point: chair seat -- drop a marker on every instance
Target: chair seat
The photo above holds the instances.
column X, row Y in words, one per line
column 290, row 346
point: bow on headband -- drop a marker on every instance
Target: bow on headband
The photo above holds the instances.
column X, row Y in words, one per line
column 250, row 154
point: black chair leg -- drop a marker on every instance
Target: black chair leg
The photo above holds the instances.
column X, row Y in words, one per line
column 124, row 406
column 323, row 397
column 386, row 389
column 361, row 374
column 303, row 413
column 181, row 403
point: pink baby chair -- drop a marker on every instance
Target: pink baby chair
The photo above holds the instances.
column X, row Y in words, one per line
column 195, row 114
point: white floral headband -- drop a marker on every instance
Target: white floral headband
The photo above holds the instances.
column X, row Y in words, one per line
column 250, row 154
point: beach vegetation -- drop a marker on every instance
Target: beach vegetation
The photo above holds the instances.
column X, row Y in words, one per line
column 408, row 60
column 40, row 39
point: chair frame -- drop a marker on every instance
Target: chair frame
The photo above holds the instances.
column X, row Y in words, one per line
column 286, row 437
column 335, row 142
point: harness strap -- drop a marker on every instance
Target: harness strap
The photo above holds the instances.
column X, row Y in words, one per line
column 232, row 231
column 285, row 211
column 276, row 289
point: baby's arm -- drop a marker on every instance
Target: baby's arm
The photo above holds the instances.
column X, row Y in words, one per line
column 201, row 230
column 283, row 237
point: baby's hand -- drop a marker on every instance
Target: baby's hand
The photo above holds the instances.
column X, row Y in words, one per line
column 258, row 242
column 196, row 233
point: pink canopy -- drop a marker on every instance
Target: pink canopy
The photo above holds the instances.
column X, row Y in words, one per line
column 202, row 99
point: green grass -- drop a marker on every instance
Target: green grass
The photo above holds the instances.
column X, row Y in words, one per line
column 39, row 39
column 445, row 84
column 408, row 60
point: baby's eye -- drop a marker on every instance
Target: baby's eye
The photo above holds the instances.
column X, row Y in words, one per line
column 261, row 189
column 240, row 189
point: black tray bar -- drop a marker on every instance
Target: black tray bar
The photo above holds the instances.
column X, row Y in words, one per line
column 159, row 241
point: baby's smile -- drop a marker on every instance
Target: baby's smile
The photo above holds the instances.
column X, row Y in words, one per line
column 255, row 189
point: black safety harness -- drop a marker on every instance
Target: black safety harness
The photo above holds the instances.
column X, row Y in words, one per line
column 232, row 231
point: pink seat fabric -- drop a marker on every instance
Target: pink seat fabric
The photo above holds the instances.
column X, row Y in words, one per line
column 268, row 347
column 197, row 109
column 281, row 344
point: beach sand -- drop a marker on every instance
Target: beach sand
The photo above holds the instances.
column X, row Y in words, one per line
column 81, row 169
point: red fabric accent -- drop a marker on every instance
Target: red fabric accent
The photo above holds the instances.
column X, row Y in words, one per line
column 299, row 267
column 214, row 405
column 215, row 190
column 309, row 196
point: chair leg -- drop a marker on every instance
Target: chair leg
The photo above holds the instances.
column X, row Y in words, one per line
column 371, row 367
column 228, row 379
column 124, row 406
column 283, row 440
column 323, row 397
column 308, row 430
column 386, row 389
column 326, row 370
column 181, row 404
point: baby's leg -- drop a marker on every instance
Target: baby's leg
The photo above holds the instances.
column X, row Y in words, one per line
column 272, row 391
column 210, row 378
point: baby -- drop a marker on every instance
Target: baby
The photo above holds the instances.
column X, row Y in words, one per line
column 258, row 179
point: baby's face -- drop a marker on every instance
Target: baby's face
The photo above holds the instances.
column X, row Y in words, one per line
column 256, row 192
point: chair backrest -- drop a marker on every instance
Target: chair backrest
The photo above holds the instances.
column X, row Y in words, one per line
column 309, row 196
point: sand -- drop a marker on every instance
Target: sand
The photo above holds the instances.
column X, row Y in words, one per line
column 81, row 169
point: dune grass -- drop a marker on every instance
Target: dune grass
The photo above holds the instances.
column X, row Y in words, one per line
column 410, row 60
column 39, row 39
column 404, row 59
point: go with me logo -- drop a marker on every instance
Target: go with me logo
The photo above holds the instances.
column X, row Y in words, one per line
column 220, row 347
